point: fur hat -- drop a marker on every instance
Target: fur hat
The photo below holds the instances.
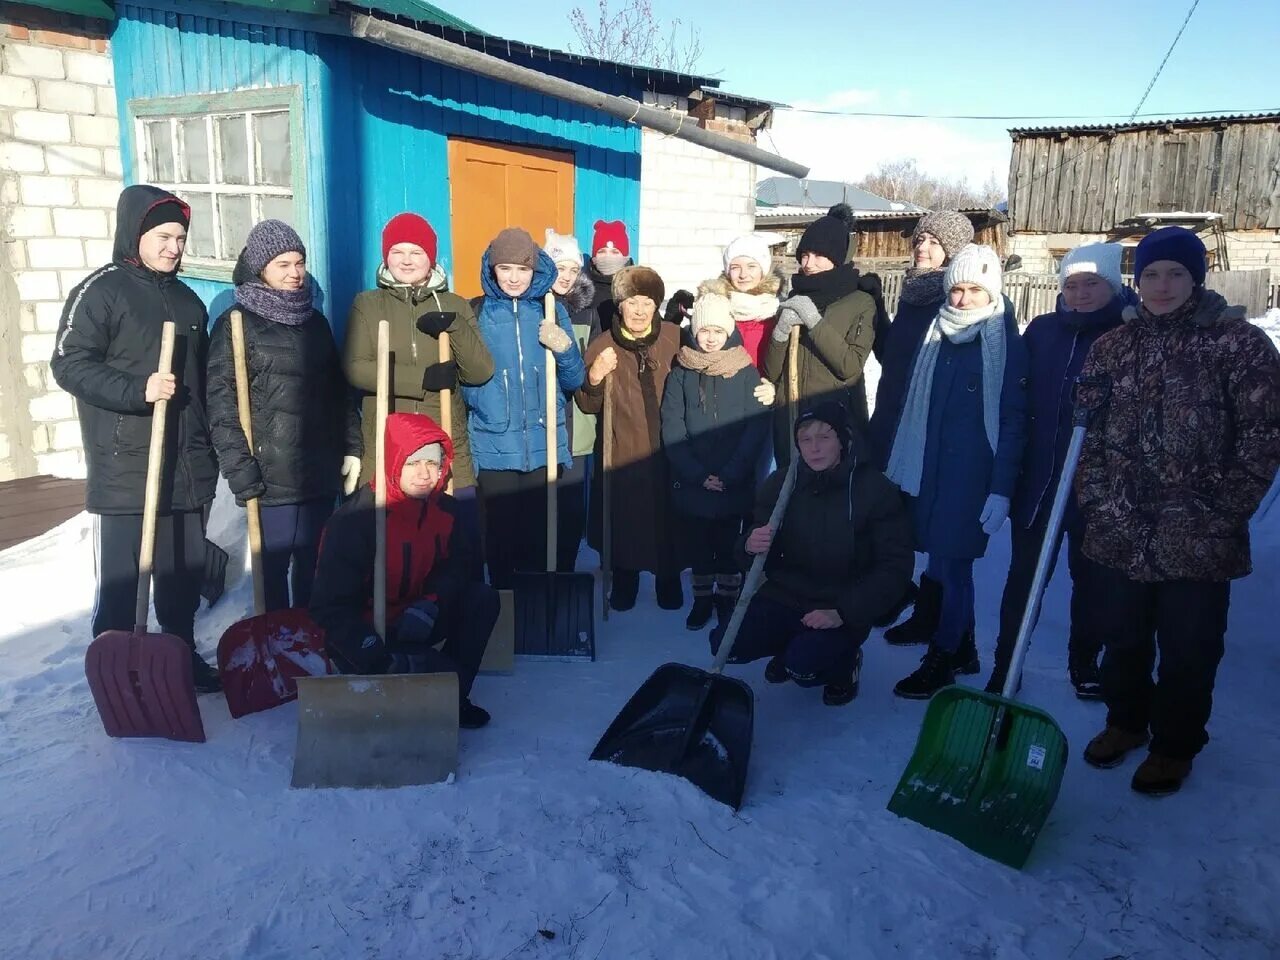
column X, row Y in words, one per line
column 952, row 228
column 610, row 233
column 513, row 245
column 828, row 236
column 712, row 310
column 751, row 246
column 978, row 265
column 409, row 228
column 1171, row 243
column 562, row 248
column 638, row 282
column 1100, row 258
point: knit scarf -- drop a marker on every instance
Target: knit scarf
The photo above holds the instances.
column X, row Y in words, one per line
column 922, row 286
column 646, row 372
column 752, row 306
column 827, row 287
column 289, row 307
column 722, row 363
column 906, row 459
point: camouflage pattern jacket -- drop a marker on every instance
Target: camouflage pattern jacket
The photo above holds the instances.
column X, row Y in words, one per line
column 1179, row 457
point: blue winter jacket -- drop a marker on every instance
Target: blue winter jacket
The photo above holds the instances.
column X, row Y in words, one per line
column 960, row 470
column 506, row 416
column 1057, row 344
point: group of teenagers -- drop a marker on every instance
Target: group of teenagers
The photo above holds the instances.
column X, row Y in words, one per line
column 704, row 408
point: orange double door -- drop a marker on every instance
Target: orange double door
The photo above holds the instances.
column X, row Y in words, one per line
column 493, row 186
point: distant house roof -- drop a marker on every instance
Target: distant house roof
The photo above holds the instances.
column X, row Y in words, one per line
column 1018, row 132
column 789, row 196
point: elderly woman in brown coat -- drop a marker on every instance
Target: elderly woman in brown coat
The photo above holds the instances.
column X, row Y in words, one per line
column 632, row 360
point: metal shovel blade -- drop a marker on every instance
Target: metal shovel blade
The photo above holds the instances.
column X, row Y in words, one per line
column 985, row 771
column 260, row 659
column 396, row 730
column 688, row 722
column 143, row 685
column 555, row 616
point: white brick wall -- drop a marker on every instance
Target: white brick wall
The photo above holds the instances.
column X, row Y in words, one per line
column 60, row 175
column 692, row 203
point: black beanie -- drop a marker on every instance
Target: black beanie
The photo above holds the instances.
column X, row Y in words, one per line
column 166, row 211
column 828, row 236
column 834, row 415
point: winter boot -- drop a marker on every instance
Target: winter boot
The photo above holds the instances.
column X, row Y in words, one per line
column 1159, row 776
column 471, row 717
column 1085, row 676
column 839, row 692
column 890, row 618
column 1111, row 746
column 965, row 658
column 670, row 592
column 933, row 674
column 728, row 586
column 923, row 622
column 703, row 602
column 995, row 683
column 206, row 678
column 775, row 671
column 626, row 584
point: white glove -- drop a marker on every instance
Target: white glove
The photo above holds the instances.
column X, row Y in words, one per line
column 553, row 338
column 350, row 475
column 994, row 513
column 766, row 393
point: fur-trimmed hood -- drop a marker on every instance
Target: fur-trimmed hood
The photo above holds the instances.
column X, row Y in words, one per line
column 770, row 285
column 580, row 294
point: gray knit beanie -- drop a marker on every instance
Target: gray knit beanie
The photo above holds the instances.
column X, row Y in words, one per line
column 953, row 230
column 268, row 240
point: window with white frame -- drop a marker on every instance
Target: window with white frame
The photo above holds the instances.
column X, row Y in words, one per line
column 234, row 167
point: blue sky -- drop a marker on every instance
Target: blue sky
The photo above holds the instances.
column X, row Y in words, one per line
column 1001, row 57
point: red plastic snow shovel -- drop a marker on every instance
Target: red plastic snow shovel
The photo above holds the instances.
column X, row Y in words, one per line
column 142, row 683
column 261, row 657
column 696, row 724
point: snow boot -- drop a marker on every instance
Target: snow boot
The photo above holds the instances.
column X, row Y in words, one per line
column 626, row 584
column 703, row 602
column 1111, row 746
column 1085, row 676
column 923, row 622
column 471, row 717
column 890, row 618
column 965, row 658
column 775, row 671
column 932, row 675
column 840, row 691
column 995, row 683
column 728, row 587
column 670, row 592
column 1159, row 776
column 206, row 678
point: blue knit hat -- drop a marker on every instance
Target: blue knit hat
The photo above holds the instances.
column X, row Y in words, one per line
column 1171, row 243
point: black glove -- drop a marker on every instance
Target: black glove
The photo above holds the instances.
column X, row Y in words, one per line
column 414, row 627
column 440, row 376
column 435, row 322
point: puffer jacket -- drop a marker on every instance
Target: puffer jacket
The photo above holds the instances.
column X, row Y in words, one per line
column 507, row 424
column 1179, row 456
column 413, row 353
column 108, row 344
column 304, row 421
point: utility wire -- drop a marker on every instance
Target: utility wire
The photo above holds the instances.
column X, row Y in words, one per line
column 1160, row 68
column 1048, row 116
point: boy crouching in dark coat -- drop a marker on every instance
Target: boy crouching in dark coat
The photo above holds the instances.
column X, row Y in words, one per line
column 840, row 560
column 430, row 597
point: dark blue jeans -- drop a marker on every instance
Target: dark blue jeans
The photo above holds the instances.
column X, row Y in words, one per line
column 956, row 577
column 812, row 657
column 290, row 542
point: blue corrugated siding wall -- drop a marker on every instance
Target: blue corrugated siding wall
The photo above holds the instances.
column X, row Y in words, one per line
column 377, row 127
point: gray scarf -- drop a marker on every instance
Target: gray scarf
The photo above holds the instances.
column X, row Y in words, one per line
column 922, row 286
column 289, row 307
column 906, row 460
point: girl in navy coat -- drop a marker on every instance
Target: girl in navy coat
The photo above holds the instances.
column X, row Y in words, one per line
column 958, row 447
column 714, row 431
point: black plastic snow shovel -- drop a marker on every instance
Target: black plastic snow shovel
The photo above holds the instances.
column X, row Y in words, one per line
column 986, row 769
column 695, row 723
column 555, row 612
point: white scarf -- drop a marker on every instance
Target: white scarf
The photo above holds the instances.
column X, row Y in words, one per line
column 906, row 460
column 752, row 306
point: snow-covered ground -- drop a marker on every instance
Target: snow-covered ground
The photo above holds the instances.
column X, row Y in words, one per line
column 142, row 849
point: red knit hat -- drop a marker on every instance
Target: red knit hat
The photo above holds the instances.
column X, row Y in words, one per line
column 408, row 228
column 610, row 232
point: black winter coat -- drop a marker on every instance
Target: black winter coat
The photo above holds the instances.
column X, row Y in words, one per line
column 304, row 417
column 845, row 543
column 713, row 426
column 108, row 345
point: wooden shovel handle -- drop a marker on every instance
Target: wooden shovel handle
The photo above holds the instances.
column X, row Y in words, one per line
column 151, row 500
column 606, row 470
column 251, row 505
column 446, row 398
column 380, row 482
column 793, row 376
column 549, row 306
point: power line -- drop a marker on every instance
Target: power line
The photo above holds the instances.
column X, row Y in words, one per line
column 1160, row 69
column 1047, row 116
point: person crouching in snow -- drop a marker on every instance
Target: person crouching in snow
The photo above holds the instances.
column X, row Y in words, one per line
column 958, row 448
column 430, row 596
column 713, row 431
column 840, row 560
column 1174, row 464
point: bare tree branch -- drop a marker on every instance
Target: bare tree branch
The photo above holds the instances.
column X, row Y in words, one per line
column 903, row 180
column 634, row 34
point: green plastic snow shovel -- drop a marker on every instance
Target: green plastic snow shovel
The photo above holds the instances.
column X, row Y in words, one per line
column 986, row 769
